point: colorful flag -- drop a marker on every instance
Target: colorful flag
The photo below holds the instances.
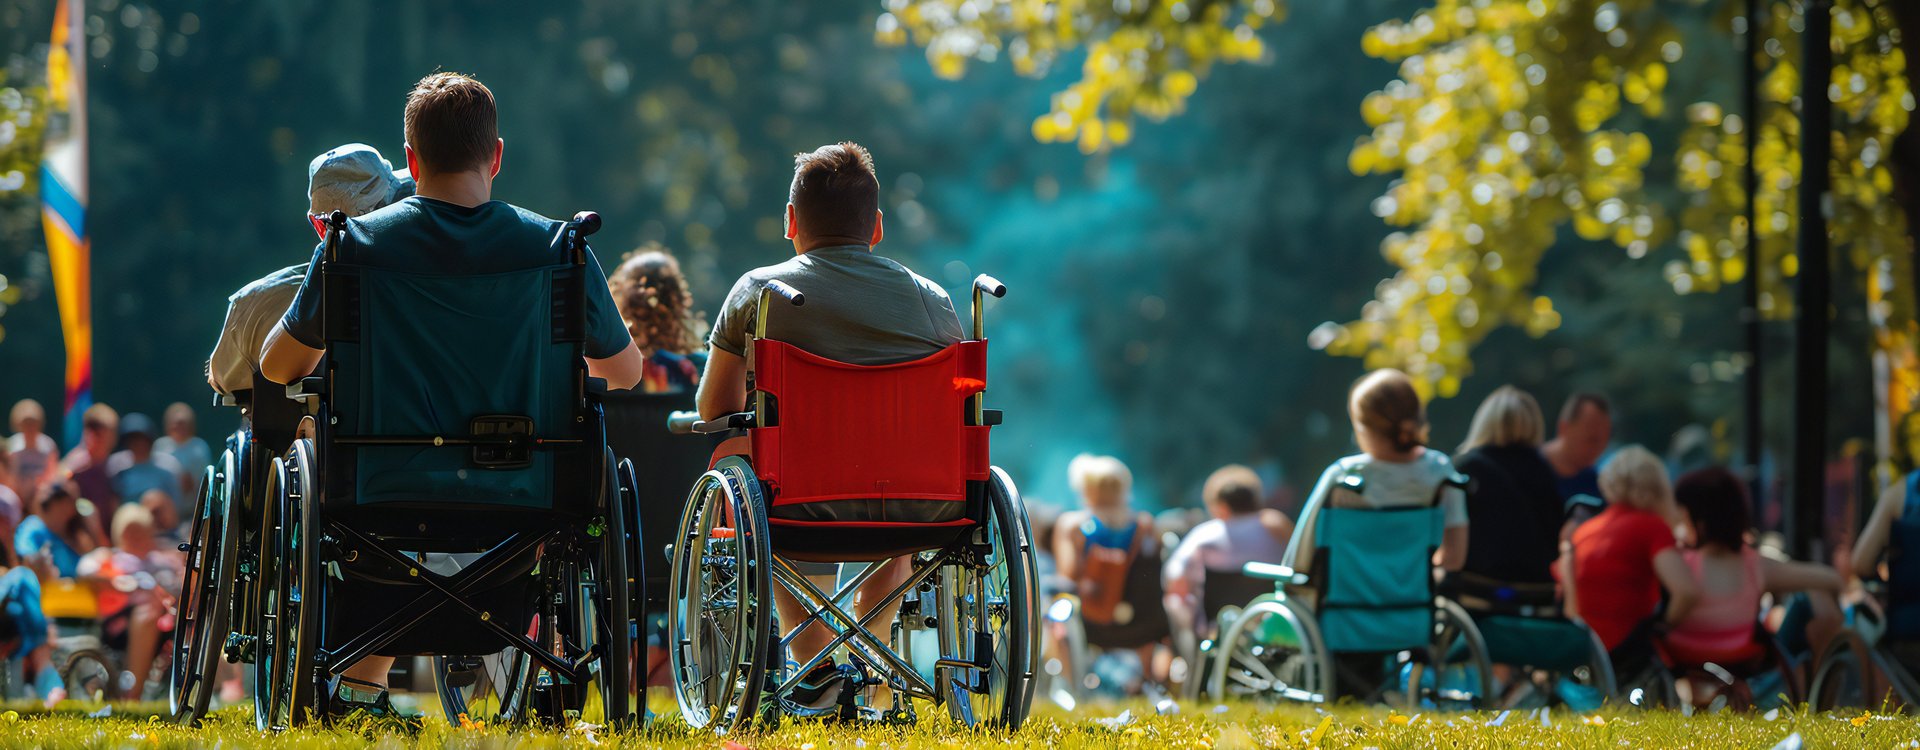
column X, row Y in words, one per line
column 63, row 203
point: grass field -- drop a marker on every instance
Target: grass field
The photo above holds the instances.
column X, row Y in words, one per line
column 1195, row 727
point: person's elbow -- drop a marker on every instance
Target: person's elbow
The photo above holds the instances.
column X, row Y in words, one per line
column 621, row 371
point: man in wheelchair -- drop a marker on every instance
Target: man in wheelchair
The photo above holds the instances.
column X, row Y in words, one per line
column 450, row 230
column 863, row 309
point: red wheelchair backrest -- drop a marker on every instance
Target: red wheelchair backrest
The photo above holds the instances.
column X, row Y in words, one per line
column 869, row 431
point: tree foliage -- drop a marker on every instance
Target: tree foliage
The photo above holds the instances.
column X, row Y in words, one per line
column 1509, row 120
column 1144, row 58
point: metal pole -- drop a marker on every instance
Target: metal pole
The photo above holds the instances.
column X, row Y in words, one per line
column 1810, row 347
column 1750, row 311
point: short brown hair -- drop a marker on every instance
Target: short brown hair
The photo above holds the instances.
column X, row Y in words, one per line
column 653, row 298
column 835, row 191
column 1571, row 410
column 100, row 417
column 1387, row 405
column 451, row 123
column 1236, row 488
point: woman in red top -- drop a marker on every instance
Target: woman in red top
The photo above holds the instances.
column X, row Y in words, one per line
column 1621, row 559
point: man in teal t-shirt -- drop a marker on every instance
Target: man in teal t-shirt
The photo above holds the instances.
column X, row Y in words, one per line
column 450, row 225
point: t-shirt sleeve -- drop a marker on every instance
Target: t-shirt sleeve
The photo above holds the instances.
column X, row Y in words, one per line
column 607, row 333
column 736, row 315
column 302, row 320
column 1655, row 536
column 1453, row 505
column 946, row 320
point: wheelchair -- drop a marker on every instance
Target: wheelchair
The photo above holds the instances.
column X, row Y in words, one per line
column 1071, row 650
column 90, row 665
column 1553, row 654
column 1866, row 667
column 217, row 611
column 395, row 532
column 1224, row 594
column 1375, row 629
column 861, row 464
column 1761, row 675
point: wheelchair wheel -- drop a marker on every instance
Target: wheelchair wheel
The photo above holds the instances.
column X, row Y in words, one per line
column 719, row 612
column 1652, row 685
column 1064, row 655
column 200, row 625
column 599, row 613
column 1461, row 676
column 285, row 669
column 89, row 674
column 1200, row 666
column 992, row 601
column 1272, row 651
column 493, row 688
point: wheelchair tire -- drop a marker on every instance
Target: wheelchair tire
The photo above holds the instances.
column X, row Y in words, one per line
column 200, row 628
column 89, row 673
column 1454, row 634
column 1840, row 681
column 1064, row 653
column 604, row 617
column 719, row 608
column 1255, row 659
column 291, row 635
column 997, row 595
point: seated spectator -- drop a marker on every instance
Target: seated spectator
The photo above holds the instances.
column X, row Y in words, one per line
column 1240, row 532
column 654, row 301
column 35, row 455
column 58, row 533
column 862, row 308
column 1580, row 438
column 86, row 464
column 1514, row 500
column 1732, row 576
column 136, row 469
column 185, row 447
column 25, row 634
column 132, row 580
column 1895, row 524
column 1397, row 469
column 1108, row 552
column 353, row 179
column 11, row 508
column 166, row 517
column 1619, row 561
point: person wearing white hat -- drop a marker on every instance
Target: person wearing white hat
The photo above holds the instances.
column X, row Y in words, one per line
column 353, row 179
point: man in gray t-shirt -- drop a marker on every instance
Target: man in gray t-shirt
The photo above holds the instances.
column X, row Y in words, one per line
column 861, row 309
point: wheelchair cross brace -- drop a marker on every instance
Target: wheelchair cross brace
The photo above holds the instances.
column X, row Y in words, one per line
column 424, row 604
column 856, row 636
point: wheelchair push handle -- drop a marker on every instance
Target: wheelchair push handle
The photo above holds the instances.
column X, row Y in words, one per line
column 787, row 291
column 990, row 285
column 586, row 223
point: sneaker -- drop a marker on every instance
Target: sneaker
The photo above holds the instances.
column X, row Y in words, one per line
column 820, row 689
column 351, row 696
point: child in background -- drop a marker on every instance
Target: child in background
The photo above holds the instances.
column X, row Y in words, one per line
column 186, row 448
column 59, row 530
column 1390, row 425
column 1109, row 553
column 134, row 581
column 35, row 455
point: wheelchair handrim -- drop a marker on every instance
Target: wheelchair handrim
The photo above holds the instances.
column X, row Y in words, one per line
column 699, row 585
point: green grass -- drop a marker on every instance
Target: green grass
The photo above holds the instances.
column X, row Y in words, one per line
column 1196, row 727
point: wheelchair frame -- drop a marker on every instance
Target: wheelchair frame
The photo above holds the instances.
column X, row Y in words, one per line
column 979, row 594
column 1839, row 679
column 585, row 592
column 1313, row 675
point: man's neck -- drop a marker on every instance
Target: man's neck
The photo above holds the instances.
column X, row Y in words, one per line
column 822, row 243
column 1555, row 453
column 468, row 189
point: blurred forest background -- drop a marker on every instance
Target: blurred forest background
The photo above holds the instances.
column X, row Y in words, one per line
column 1185, row 200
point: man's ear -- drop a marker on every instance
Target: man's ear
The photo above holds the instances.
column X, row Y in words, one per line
column 793, row 223
column 879, row 227
column 499, row 152
column 413, row 163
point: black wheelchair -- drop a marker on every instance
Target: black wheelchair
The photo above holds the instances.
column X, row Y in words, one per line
column 467, row 510
column 864, row 464
column 217, row 609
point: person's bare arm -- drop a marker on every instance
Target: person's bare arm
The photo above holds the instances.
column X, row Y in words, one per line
column 1564, row 565
column 1453, row 548
column 723, row 388
column 284, row 359
column 621, row 371
column 1682, row 591
column 1873, row 539
column 1789, row 577
column 1066, row 545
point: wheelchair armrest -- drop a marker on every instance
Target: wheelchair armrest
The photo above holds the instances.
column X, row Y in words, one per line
column 1273, row 572
column 225, row 399
column 307, row 388
column 737, row 421
column 596, row 386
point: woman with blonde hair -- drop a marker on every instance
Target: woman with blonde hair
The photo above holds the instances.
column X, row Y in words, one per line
column 1514, row 502
column 1109, row 552
column 1619, row 561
